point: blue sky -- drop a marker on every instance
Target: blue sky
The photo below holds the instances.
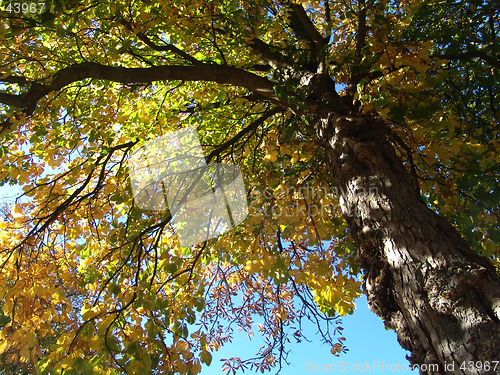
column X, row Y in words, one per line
column 367, row 339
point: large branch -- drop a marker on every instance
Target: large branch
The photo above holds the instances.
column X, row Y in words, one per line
column 305, row 29
column 11, row 99
column 356, row 75
column 274, row 59
column 202, row 72
column 15, row 79
column 308, row 26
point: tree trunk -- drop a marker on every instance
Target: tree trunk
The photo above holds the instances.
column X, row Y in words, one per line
column 421, row 277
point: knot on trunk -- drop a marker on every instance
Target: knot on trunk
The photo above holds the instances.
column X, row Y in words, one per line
column 453, row 288
column 363, row 129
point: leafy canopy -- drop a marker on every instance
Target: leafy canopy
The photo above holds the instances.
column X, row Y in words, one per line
column 90, row 283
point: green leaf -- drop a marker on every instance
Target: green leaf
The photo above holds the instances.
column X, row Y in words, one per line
column 114, row 344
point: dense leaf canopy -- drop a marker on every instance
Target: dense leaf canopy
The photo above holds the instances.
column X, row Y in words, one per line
column 91, row 283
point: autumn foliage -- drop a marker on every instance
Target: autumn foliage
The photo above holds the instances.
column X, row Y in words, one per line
column 90, row 283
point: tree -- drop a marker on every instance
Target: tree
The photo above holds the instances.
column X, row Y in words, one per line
column 385, row 113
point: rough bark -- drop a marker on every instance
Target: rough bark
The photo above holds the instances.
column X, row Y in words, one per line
column 421, row 277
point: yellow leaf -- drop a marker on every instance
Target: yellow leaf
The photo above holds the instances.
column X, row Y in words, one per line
column 30, row 339
column 206, row 357
column 306, row 157
column 285, row 150
column 16, row 210
column 57, row 297
column 34, row 357
column 271, row 156
column 337, row 348
column 384, row 113
column 3, row 345
column 25, row 354
column 195, row 368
